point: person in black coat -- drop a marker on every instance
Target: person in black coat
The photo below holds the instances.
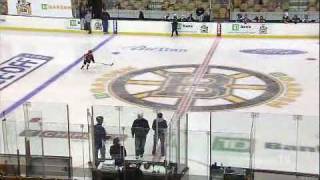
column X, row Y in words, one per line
column 174, row 25
column 139, row 130
column 141, row 15
column 105, row 21
column 100, row 136
column 118, row 152
column 206, row 17
column 159, row 126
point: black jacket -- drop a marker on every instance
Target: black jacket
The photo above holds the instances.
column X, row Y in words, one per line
column 175, row 23
column 140, row 128
column 161, row 124
column 118, row 152
column 99, row 135
column 105, row 16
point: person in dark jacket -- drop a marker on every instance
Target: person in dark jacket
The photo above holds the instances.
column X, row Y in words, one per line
column 118, row 152
column 139, row 130
column 206, row 17
column 141, row 15
column 174, row 25
column 87, row 22
column 100, row 136
column 159, row 126
column 82, row 13
column 190, row 18
column 105, row 21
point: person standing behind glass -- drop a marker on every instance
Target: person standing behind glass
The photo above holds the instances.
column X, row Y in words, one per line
column 140, row 129
column 159, row 126
column 100, row 137
column 87, row 20
column 82, row 14
column 105, row 21
column 118, row 152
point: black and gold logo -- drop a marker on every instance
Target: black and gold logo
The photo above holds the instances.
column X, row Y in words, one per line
column 221, row 88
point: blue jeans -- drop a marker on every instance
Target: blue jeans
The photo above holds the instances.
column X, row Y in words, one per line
column 105, row 26
column 140, row 142
column 102, row 150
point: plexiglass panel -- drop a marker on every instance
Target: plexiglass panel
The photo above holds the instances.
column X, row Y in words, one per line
column 275, row 141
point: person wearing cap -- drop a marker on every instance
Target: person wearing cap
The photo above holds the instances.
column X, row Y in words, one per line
column 159, row 126
column 100, row 136
column 140, row 128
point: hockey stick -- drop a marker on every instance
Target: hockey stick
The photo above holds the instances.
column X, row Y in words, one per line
column 111, row 64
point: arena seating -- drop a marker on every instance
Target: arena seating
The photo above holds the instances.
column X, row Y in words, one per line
column 219, row 9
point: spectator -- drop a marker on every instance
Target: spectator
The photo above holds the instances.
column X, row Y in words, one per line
column 141, row 15
column 160, row 127
column 206, row 17
column 239, row 17
column 296, row 19
column 199, row 13
column 256, row 19
column 167, row 17
column 82, row 13
column 285, row 17
column 183, row 19
column 305, row 18
column 140, row 128
column 118, row 152
column 87, row 19
column 99, row 138
column 105, row 21
column 245, row 19
column 190, row 18
column 174, row 25
column 261, row 19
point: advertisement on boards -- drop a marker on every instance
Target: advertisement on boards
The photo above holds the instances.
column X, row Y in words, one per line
column 192, row 27
column 241, row 28
column 43, row 8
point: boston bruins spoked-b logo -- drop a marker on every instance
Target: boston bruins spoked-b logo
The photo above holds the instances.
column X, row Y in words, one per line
column 221, row 87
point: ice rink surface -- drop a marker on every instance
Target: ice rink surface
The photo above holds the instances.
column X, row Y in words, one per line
column 269, row 76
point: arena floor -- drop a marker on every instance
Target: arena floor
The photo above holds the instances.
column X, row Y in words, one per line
column 269, row 76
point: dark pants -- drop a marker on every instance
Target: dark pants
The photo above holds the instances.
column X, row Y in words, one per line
column 87, row 26
column 105, row 26
column 140, row 142
column 155, row 142
column 102, row 150
column 174, row 30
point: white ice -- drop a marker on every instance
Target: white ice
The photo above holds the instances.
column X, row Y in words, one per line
column 74, row 87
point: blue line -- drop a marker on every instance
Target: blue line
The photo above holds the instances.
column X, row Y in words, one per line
column 49, row 81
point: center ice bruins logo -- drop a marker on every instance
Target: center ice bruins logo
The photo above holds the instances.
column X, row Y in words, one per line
column 221, row 87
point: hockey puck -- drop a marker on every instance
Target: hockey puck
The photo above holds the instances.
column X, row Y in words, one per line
column 115, row 52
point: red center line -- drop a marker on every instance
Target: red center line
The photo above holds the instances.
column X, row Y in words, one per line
column 186, row 100
column 185, row 103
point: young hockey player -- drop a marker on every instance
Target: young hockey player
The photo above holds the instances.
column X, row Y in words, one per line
column 87, row 59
